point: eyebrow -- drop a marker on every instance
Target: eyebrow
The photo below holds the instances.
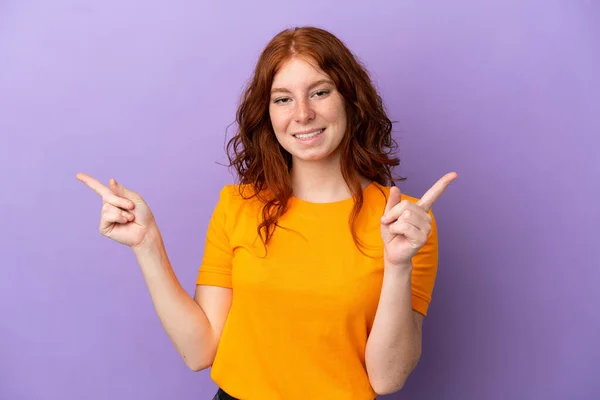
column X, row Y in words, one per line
column 317, row 83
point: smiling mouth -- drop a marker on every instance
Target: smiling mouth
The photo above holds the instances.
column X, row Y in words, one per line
column 303, row 136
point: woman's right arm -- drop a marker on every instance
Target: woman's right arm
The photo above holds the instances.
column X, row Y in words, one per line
column 193, row 325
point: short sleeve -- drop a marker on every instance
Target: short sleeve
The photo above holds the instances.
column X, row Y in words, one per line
column 215, row 269
column 425, row 265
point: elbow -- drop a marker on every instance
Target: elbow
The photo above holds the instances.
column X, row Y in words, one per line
column 198, row 358
column 388, row 382
column 383, row 387
column 196, row 367
column 197, row 364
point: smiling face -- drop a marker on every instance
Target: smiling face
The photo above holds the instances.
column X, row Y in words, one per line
column 307, row 112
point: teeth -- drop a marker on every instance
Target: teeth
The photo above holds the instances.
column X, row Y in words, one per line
column 309, row 135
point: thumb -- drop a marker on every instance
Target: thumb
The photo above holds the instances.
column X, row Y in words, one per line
column 393, row 199
column 121, row 190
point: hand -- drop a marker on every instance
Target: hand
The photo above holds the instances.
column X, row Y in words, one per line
column 125, row 216
column 405, row 226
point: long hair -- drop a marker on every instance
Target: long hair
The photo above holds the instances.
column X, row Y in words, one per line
column 261, row 163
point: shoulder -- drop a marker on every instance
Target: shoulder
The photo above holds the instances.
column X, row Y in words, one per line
column 237, row 192
column 237, row 197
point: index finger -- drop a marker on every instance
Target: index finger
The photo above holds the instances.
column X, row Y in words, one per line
column 436, row 191
column 95, row 185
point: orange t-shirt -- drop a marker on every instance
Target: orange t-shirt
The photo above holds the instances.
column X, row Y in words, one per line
column 302, row 311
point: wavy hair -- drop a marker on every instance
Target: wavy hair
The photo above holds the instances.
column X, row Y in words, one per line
column 259, row 160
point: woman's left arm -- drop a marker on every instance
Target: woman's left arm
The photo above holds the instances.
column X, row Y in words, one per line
column 394, row 344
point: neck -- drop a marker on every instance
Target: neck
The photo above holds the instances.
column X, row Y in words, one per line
column 320, row 182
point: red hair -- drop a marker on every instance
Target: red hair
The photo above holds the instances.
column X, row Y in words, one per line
column 261, row 162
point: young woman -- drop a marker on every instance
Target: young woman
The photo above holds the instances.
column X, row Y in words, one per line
column 317, row 272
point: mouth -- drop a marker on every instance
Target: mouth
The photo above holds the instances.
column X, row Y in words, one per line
column 308, row 135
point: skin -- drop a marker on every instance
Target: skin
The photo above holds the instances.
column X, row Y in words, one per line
column 303, row 98
column 395, row 343
column 405, row 226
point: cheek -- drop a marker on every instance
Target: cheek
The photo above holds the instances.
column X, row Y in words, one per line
column 337, row 113
column 278, row 121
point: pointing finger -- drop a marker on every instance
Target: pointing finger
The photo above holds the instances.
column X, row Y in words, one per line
column 93, row 184
column 107, row 195
column 434, row 193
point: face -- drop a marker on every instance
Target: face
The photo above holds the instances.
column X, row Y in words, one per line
column 307, row 112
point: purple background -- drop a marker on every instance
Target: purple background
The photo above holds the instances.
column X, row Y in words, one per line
column 506, row 93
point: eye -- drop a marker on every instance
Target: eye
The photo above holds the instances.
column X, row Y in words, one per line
column 322, row 93
column 282, row 100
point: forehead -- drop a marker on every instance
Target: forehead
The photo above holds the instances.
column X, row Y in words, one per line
column 298, row 71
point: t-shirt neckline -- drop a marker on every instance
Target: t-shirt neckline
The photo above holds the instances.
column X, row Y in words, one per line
column 330, row 203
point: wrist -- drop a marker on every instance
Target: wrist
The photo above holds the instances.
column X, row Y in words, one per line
column 151, row 242
column 398, row 269
column 396, row 277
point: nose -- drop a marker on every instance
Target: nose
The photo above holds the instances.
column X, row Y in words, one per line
column 304, row 112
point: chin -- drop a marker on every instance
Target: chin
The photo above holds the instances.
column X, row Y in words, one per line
column 314, row 156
